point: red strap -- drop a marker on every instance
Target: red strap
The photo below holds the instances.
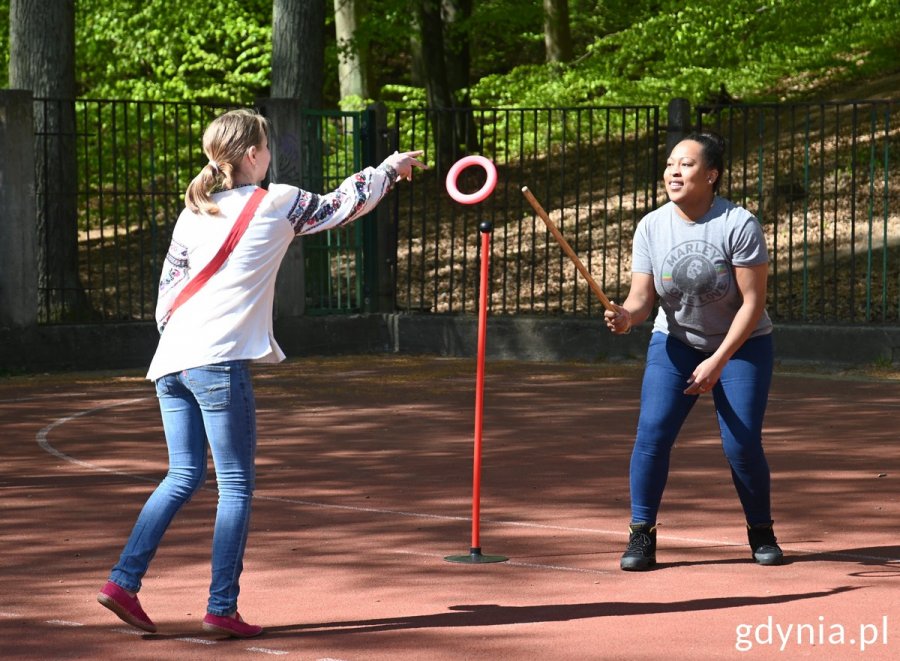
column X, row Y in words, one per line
column 216, row 262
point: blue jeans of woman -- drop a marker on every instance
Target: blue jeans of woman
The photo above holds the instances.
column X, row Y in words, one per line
column 740, row 399
column 212, row 404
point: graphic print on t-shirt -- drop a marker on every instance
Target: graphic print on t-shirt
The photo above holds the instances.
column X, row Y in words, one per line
column 695, row 273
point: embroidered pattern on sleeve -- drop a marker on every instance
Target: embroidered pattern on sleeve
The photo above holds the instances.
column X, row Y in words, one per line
column 390, row 172
column 302, row 208
column 177, row 267
column 328, row 209
column 357, row 193
column 175, row 275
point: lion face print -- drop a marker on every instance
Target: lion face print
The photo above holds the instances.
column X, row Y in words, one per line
column 696, row 273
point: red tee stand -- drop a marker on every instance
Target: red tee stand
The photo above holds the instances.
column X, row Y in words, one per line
column 475, row 555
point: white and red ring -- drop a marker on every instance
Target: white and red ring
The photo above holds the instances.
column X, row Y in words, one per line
column 482, row 193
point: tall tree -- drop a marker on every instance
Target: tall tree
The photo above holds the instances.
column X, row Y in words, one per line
column 429, row 32
column 42, row 59
column 298, row 58
column 557, row 35
column 353, row 50
column 457, row 30
column 298, row 50
column 457, row 14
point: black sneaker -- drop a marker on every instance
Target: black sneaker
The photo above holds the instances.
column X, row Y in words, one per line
column 764, row 545
column 641, row 551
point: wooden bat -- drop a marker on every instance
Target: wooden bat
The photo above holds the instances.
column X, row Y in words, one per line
column 567, row 249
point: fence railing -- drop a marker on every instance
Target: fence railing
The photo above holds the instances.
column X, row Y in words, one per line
column 822, row 178
column 122, row 189
column 596, row 171
column 333, row 146
column 818, row 176
column 130, row 162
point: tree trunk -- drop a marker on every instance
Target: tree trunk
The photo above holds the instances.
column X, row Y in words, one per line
column 457, row 14
column 298, row 50
column 557, row 36
column 429, row 28
column 42, row 59
column 353, row 53
column 298, row 59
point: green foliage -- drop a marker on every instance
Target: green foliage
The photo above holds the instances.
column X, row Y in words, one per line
column 206, row 50
column 354, row 103
column 756, row 49
column 645, row 52
column 505, row 34
column 627, row 51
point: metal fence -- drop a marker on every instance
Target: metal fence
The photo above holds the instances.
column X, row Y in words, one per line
column 595, row 170
column 822, row 178
column 334, row 146
column 818, row 176
column 121, row 190
column 130, row 163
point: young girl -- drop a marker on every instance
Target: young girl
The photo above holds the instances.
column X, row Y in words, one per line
column 201, row 366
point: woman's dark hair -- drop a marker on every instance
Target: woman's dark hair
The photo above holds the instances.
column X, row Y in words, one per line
column 713, row 150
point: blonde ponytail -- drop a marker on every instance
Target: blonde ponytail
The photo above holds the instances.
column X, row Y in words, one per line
column 225, row 142
column 198, row 197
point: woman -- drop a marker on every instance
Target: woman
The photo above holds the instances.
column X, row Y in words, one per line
column 706, row 260
column 201, row 366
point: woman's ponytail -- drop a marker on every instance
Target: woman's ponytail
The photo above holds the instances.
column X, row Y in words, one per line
column 225, row 141
column 198, row 196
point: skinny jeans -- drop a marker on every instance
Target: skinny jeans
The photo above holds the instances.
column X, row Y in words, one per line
column 212, row 404
column 740, row 397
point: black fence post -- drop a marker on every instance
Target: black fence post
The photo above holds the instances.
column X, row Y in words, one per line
column 379, row 233
column 18, row 238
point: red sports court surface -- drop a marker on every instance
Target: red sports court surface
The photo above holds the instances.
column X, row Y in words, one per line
column 365, row 485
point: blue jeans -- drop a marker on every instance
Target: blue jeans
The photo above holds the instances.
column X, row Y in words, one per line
column 213, row 403
column 740, row 398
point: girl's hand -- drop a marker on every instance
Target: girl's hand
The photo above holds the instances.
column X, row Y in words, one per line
column 404, row 162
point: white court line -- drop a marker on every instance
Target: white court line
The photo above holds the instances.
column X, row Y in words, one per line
column 196, row 641
column 64, row 623
column 43, row 441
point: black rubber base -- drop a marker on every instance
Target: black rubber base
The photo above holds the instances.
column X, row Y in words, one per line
column 475, row 557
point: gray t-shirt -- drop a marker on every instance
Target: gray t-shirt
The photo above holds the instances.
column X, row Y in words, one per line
column 691, row 265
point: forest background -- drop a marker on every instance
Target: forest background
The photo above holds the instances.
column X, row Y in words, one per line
column 447, row 55
column 496, row 53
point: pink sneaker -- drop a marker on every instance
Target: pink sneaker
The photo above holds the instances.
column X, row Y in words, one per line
column 128, row 608
column 230, row 626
